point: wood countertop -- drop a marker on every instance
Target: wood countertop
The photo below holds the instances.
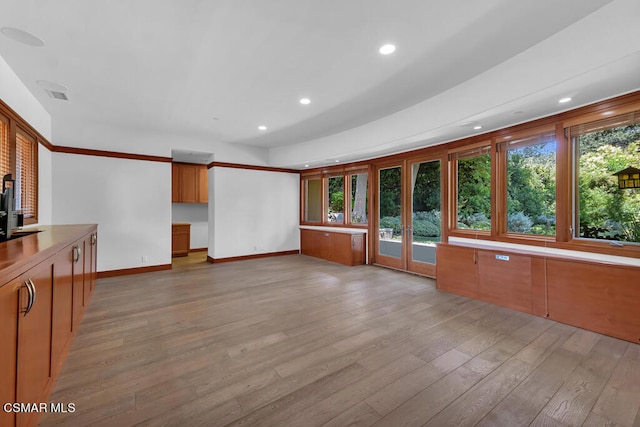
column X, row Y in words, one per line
column 22, row 253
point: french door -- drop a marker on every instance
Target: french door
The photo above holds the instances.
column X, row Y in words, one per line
column 410, row 201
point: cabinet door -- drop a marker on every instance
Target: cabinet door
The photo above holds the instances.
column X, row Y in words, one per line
column 62, row 315
column 94, row 260
column 78, row 282
column 34, row 340
column 189, row 183
column 203, row 184
column 87, row 259
column 175, row 184
column 457, row 270
column 8, row 347
column 505, row 279
column 306, row 242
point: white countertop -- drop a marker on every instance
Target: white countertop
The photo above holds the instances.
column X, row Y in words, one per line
column 345, row 230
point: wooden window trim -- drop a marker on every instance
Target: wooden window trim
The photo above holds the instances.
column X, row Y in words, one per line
column 18, row 126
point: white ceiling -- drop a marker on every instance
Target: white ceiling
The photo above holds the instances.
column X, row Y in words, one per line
column 217, row 70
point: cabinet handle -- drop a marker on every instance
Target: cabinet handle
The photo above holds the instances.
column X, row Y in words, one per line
column 94, row 238
column 77, row 253
column 31, row 289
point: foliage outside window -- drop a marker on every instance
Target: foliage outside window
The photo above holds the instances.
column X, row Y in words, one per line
column 313, row 200
column 359, row 198
column 389, row 182
column 602, row 148
column 531, row 185
column 425, row 188
column 473, row 171
column 335, row 196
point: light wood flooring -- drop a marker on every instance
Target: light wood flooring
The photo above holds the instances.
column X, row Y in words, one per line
column 297, row 341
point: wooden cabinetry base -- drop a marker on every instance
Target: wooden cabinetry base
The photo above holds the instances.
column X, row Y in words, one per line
column 596, row 296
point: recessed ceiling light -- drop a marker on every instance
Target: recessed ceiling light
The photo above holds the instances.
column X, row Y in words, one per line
column 564, row 100
column 305, row 101
column 21, row 36
column 477, row 127
column 261, row 127
column 387, row 49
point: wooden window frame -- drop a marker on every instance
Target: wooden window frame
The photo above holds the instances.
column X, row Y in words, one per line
column 470, row 150
column 502, row 145
column 17, row 126
column 324, row 174
column 564, row 180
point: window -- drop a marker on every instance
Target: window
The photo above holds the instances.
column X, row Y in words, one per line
column 359, row 198
column 335, row 199
column 313, row 200
column 19, row 157
column 531, row 184
column 473, row 178
column 602, row 148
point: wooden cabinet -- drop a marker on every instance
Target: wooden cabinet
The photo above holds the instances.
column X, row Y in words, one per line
column 602, row 298
column 343, row 247
column 38, row 308
column 498, row 277
column 189, row 183
column 597, row 296
column 180, row 239
column 34, row 338
column 8, row 348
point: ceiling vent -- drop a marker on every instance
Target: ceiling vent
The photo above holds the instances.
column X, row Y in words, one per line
column 57, row 95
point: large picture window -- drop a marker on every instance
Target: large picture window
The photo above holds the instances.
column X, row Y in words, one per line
column 473, row 199
column 531, row 184
column 602, row 209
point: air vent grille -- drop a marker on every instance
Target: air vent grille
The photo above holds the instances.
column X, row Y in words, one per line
column 57, row 95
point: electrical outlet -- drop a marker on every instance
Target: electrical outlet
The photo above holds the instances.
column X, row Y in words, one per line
column 145, row 259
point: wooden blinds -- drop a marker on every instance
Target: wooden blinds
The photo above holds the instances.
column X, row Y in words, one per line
column 26, row 174
column 604, row 124
column 5, row 154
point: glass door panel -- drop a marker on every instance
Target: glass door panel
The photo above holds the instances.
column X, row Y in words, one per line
column 425, row 222
column 390, row 216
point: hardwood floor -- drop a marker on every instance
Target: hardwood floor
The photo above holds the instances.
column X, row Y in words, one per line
column 297, row 341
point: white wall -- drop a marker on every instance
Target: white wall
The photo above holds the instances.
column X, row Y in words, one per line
column 254, row 212
column 130, row 200
column 16, row 95
column 195, row 214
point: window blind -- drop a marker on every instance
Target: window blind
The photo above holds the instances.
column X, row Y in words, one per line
column 604, row 124
column 26, row 174
column 5, row 154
